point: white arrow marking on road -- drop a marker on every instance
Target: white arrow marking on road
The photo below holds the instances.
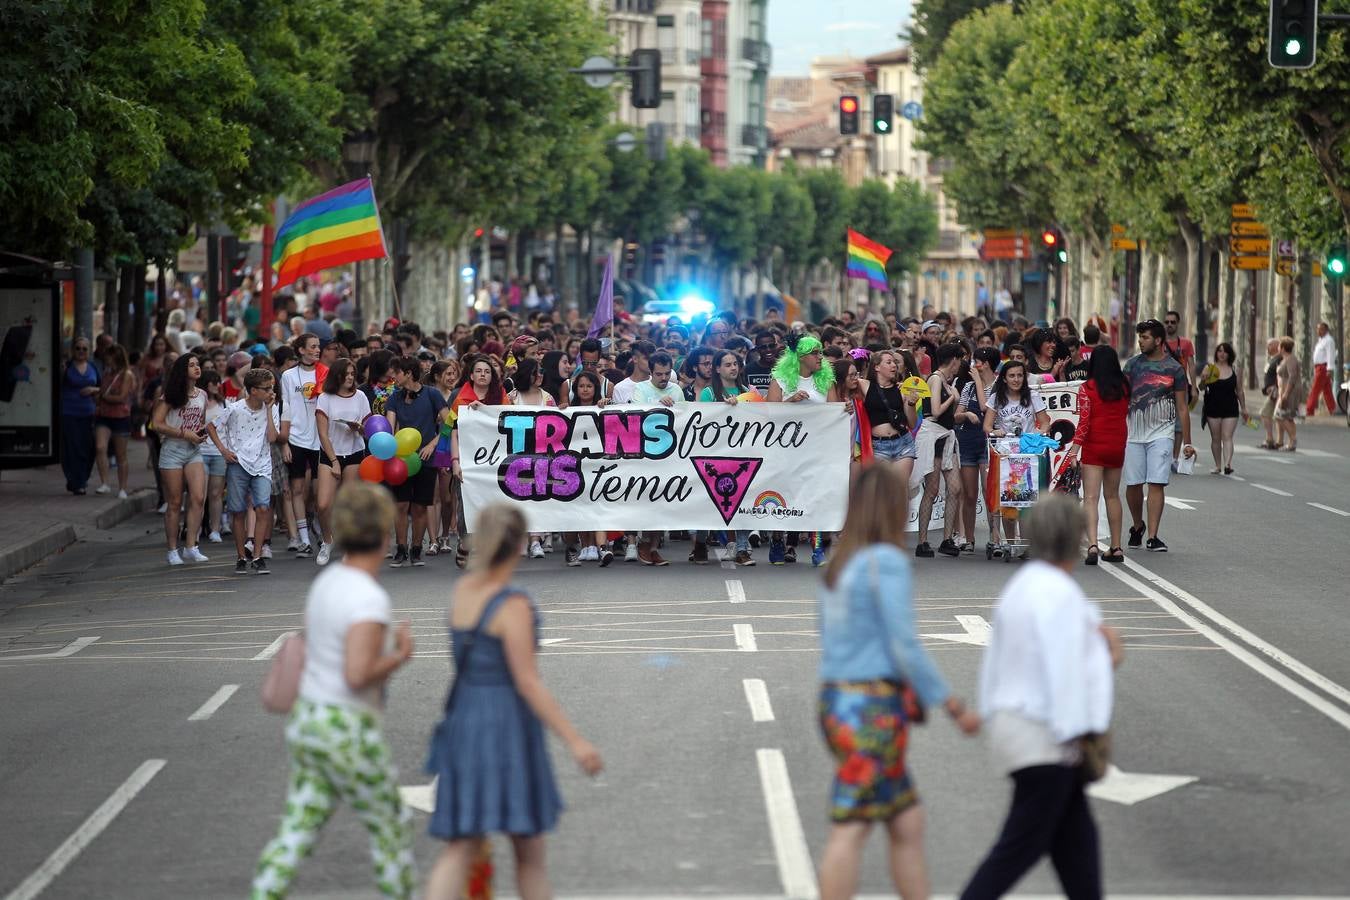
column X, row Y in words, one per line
column 70, row 649
column 1129, row 788
column 1180, row 502
column 421, row 797
column 976, row 632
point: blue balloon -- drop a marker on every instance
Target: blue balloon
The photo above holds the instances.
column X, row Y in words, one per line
column 382, row 445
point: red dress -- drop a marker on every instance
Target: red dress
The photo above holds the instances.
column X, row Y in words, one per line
column 1101, row 431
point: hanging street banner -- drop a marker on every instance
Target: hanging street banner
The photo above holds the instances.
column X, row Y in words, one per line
column 765, row 466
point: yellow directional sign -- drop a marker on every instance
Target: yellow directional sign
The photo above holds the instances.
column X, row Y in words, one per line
column 1249, row 245
column 1118, row 230
column 1244, row 211
column 1317, row 270
column 1245, row 228
column 1249, row 263
column 1121, row 243
column 1286, row 267
column 994, row 233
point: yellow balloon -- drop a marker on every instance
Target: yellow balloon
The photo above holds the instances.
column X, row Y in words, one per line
column 408, row 440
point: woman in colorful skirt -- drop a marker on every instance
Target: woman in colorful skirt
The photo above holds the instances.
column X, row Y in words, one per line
column 876, row 679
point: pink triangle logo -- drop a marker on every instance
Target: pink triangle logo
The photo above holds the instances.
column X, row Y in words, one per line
column 726, row 478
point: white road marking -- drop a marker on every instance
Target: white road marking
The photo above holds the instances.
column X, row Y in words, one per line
column 547, row 641
column 1330, row 509
column 1251, row 660
column 1180, row 502
column 1236, row 477
column 218, row 699
column 1129, row 788
column 735, row 590
column 1279, row 460
column 271, row 649
column 89, row 829
column 70, row 649
column 795, row 869
column 976, row 633
column 1270, row 490
column 745, row 637
column 757, row 695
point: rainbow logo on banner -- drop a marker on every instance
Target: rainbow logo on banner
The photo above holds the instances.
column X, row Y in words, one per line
column 770, row 500
column 867, row 260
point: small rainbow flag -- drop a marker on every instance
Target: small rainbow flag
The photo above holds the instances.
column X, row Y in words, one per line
column 867, row 260
column 332, row 229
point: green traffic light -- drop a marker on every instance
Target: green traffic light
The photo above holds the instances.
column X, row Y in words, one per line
column 1336, row 266
column 1063, row 256
column 1293, row 47
column 883, row 125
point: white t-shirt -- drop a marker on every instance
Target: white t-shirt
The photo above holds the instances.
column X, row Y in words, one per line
column 813, row 394
column 646, row 392
column 624, row 391
column 338, row 599
column 214, row 411
column 244, row 432
column 299, row 399
column 355, row 408
column 1017, row 414
column 192, row 417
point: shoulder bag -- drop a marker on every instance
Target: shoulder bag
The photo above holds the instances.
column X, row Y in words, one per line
column 282, row 685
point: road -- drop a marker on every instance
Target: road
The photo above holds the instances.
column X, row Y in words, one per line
column 128, row 767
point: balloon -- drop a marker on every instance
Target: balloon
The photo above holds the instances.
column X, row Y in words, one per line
column 382, row 446
column 395, row 471
column 376, row 424
column 409, row 441
column 413, row 462
column 372, row 469
column 750, row 395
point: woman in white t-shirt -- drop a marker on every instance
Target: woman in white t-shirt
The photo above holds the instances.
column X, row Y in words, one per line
column 180, row 421
column 339, row 415
column 334, row 735
column 215, row 463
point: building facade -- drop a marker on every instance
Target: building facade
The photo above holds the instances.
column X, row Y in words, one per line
column 679, row 37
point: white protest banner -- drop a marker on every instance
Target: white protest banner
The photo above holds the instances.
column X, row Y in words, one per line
column 767, row 466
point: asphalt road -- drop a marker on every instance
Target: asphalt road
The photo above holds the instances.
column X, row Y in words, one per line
column 1236, row 677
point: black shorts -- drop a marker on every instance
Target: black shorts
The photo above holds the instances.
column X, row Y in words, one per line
column 419, row 489
column 352, row 459
column 303, row 460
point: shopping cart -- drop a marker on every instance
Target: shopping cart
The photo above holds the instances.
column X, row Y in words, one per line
column 1016, row 480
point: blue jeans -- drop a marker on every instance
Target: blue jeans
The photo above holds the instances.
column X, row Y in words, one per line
column 742, row 539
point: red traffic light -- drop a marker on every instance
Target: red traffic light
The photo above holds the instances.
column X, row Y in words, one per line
column 1049, row 238
column 848, row 104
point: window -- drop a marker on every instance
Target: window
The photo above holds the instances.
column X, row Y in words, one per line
column 691, row 32
column 665, row 37
column 707, row 39
column 691, row 112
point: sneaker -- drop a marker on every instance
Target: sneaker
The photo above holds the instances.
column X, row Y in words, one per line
column 648, row 555
column 1136, row 536
column 248, row 548
column 260, row 567
column 536, row 550
column 1156, row 545
column 292, row 545
column 699, row 555
column 192, row 554
column 606, row 556
column 214, row 537
column 817, row 557
column 400, row 557
column 266, row 551
column 241, row 566
column 304, row 551
column 743, row 558
column 103, row 489
column 790, row 554
column 590, row 554
column 415, row 557
column 548, row 544
column 948, row 548
column 923, row 551
column 573, row 557
column 968, row 549
column 755, row 540
column 174, row 558
column 162, row 508
column 775, row 553
column 121, row 495
column 325, row 554
column 631, row 554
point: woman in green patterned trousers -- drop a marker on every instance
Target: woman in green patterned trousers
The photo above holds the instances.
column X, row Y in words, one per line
column 338, row 751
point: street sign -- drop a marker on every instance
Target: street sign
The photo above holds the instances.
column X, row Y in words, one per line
column 1244, row 211
column 1249, row 245
column 1286, row 267
column 1285, row 249
column 1245, row 228
column 1120, row 243
column 1317, row 270
column 1016, row 246
column 1249, row 263
column 991, row 234
column 912, row 111
column 625, row 142
column 597, row 72
column 1118, row 230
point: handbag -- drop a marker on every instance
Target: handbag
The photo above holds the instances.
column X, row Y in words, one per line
column 282, row 684
column 1094, row 756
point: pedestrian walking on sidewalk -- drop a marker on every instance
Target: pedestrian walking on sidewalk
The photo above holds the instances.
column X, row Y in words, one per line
column 1291, row 391
column 1269, row 389
column 79, row 387
column 1324, row 366
column 334, row 735
column 488, row 754
column 876, row 679
column 1046, row 681
column 112, row 419
column 180, row 421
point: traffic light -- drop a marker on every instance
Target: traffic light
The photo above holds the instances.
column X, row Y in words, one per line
column 646, row 65
column 883, row 113
column 848, row 114
column 1336, row 261
column 1052, row 242
column 1293, row 34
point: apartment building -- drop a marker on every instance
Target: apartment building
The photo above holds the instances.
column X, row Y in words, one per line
column 735, row 66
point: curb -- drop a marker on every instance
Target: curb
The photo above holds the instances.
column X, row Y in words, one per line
column 55, row 538
column 121, row 510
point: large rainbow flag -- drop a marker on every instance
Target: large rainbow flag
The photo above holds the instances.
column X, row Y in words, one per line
column 332, row 229
column 867, row 260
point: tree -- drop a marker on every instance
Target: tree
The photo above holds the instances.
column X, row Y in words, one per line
column 933, row 22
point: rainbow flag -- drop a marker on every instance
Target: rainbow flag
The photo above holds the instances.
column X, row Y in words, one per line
column 332, row 229
column 867, row 260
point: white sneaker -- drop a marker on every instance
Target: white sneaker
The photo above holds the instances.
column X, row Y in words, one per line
column 589, row 554
column 267, row 551
column 292, row 545
column 248, row 546
column 536, row 550
column 325, row 553
column 214, row 537
column 121, row 495
column 174, row 558
column 103, row 489
column 163, row 508
column 630, row 555
column 548, row 544
column 192, row 554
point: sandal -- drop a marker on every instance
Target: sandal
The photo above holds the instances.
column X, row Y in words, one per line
column 1092, row 555
column 1290, row 449
column 1114, row 555
column 1228, row 470
column 461, row 557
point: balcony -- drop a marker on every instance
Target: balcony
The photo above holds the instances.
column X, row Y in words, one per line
column 693, row 133
column 757, row 52
column 755, row 136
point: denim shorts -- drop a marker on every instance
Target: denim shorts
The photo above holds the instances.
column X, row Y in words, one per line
column 119, row 426
column 176, row 453
column 243, row 490
column 900, row 447
column 215, row 465
column 1149, row 463
column 972, row 445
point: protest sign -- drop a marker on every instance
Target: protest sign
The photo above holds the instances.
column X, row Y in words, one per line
column 766, row 466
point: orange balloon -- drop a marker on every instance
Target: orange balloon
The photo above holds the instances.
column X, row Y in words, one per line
column 750, row 396
column 372, row 469
column 395, row 471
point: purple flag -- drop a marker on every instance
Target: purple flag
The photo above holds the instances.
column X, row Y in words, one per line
column 604, row 307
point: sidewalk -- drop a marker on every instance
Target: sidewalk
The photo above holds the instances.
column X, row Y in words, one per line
column 39, row 518
column 1255, row 400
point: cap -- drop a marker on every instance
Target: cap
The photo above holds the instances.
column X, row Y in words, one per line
column 931, row 323
column 258, row 348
